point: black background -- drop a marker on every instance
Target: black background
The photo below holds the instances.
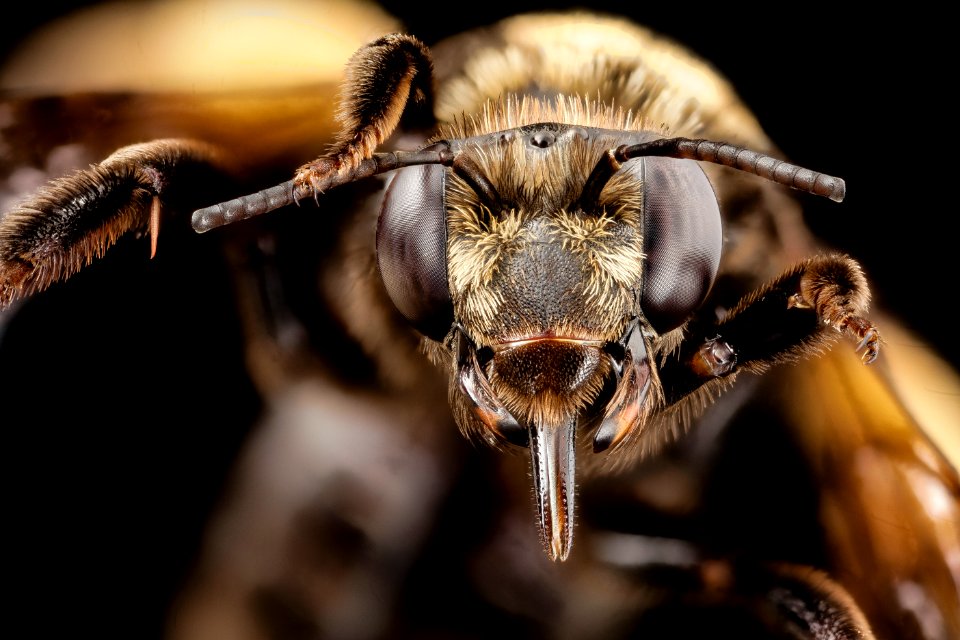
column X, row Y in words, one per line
column 862, row 100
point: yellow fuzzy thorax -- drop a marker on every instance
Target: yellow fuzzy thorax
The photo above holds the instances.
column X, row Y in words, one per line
column 615, row 74
column 539, row 190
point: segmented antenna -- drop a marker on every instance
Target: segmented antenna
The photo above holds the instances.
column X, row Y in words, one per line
column 729, row 155
column 289, row 192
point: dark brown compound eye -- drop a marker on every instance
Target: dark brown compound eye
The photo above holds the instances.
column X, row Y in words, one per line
column 682, row 240
column 412, row 249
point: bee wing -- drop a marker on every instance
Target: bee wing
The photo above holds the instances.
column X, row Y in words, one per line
column 889, row 493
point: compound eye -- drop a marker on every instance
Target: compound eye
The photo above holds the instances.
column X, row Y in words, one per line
column 412, row 249
column 682, row 240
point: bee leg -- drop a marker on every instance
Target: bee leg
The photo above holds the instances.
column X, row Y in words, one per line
column 794, row 316
column 74, row 219
column 806, row 600
column 381, row 78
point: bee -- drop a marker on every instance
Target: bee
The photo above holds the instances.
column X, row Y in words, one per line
column 551, row 258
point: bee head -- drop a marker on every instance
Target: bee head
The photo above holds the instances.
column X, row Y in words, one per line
column 525, row 247
column 548, row 271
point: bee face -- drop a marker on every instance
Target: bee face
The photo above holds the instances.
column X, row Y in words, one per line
column 556, row 274
column 539, row 264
